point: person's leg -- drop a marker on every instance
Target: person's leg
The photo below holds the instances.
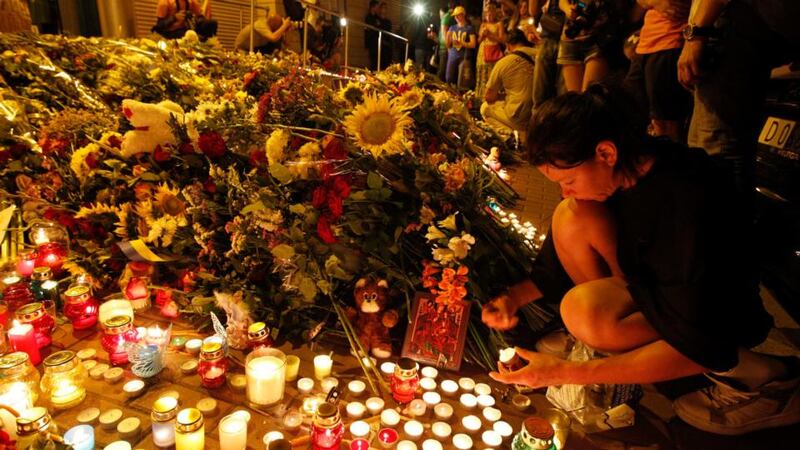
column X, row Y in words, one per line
column 442, row 70
column 495, row 116
column 670, row 104
column 596, row 70
column 570, row 59
column 453, row 61
column 545, row 72
column 573, row 77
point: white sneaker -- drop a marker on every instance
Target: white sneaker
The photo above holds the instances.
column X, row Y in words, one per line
column 557, row 343
column 723, row 409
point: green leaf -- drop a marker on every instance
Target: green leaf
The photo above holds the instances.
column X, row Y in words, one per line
column 280, row 173
column 308, row 289
column 283, row 251
column 253, row 207
column 374, row 181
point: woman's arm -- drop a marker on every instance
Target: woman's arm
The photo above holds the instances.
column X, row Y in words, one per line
column 472, row 40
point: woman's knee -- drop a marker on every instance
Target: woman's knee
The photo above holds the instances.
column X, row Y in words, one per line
column 573, row 218
column 588, row 314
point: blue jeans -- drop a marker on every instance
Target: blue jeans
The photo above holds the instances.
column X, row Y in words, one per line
column 453, row 61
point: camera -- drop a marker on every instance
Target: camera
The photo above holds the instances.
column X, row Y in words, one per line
column 585, row 15
column 297, row 24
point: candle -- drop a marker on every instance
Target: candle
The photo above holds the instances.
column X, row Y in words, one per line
column 266, row 374
column 443, row 411
column 233, row 433
column 193, row 346
column 138, row 292
column 432, row 444
column 503, row 429
column 431, row 399
column 62, row 383
column 292, row 421
column 471, row 423
column 468, row 401
column 118, row 331
column 406, row 445
column 359, row 429
column 189, row 367
column 359, row 444
column 368, row 361
column 212, row 366
column 462, row 442
column 98, row 371
column 492, row 414
column 322, row 366
column 238, row 382
column 405, row 380
column 242, row 414
column 390, row 418
column 492, row 438
column 413, row 430
column 113, row 375
column 133, row 388
column 328, row 383
column 483, row 389
column 486, row 401
column 26, row 263
column 561, row 424
column 207, row 406
column 375, row 405
column 129, row 428
column 110, row 419
column 466, row 384
column 427, row 384
column 356, row 387
column 43, row 324
column 429, row 372
column 80, row 437
column 327, row 429
column 441, row 430
column 22, row 339
column 388, row 437
column 449, row 388
column 189, row 430
column 51, row 255
column 114, row 308
column 118, row 445
column 163, row 418
column 417, row 408
column 387, row 369
column 88, row 416
column 292, row 367
column 155, row 335
column 521, row 402
column 355, row 410
column 305, row 385
column 80, row 307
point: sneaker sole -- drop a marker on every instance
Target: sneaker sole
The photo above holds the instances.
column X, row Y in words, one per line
column 769, row 422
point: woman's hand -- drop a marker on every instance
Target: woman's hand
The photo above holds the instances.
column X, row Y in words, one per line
column 501, row 313
column 542, row 370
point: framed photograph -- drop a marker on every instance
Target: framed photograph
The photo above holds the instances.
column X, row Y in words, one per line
column 437, row 333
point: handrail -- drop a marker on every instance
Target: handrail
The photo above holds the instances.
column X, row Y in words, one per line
column 358, row 22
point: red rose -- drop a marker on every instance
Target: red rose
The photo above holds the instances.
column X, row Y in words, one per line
column 319, row 197
column 210, row 186
column 258, row 158
column 335, row 149
column 341, row 187
column 324, row 230
column 160, row 154
column 186, row 148
column 163, row 296
column 335, row 205
column 212, row 144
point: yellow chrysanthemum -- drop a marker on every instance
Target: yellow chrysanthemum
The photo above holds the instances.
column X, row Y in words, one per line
column 168, row 201
column 276, row 143
column 378, row 125
column 96, row 209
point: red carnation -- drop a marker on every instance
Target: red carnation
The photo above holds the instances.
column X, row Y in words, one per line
column 212, row 144
column 186, row 148
column 341, row 187
column 319, row 197
column 160, row 155
column 335, row 149
column 324, row 230
column 335, row 205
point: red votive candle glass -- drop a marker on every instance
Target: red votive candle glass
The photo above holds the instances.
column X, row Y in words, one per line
column 259, row 335
column 4, row 314
column 388, row 437
column 405, row 380
column 118, row 331
column 43, row 325
column 80, row 307
column 327, row 429
column 359, row 444
column 212, row 366
column 17, row 293
column 52, row 255
column 26, row 261
column 22, row 338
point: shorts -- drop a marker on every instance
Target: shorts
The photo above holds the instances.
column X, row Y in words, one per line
column 577, row 52
column 654, row 77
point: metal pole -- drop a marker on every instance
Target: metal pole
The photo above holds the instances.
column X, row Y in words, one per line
column 241, row 18
column 252, row 22
column 346, row 47
column 406, row 58
column 380, row 37
column 305, row 38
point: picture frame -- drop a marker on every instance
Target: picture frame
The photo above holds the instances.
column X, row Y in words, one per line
column 437, row 333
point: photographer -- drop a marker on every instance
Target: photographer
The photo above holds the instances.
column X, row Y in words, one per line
column 268, row 34
column 176, row 17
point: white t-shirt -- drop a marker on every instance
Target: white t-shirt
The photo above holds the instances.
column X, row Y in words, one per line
column 512, row 75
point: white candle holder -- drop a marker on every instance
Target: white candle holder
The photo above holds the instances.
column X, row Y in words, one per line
column 328, row 383
column 375, row 405
column 462, row 441
column 492, row 438
column 390, row 418
column 387, row 369
column 503, row 428
column 266, row 376
column 449, row 388
column 272, row 436
column 359, row 429
column 441, row 430
column 133, row 388
column 472, row 424
column 305, row 385
column 443, row 412
column 413, row 430
column 323, row 365
column 406, row 445
column 468, row 401
column 429, row 372
column 417, row 408
column 483, row 389
column 427, row 384
column 466, row 384
column 492, row 414
column 292, row 421
column 486, row 401
column 355, row 410
column 233, row 433
column 432, row 444
column 356, row 388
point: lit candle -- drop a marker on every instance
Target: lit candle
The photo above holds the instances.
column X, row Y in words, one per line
column 413, row 430
column 431, row 399
column 388, row 437
column 449, row 388
column 66, row 394
column 310, row 405
column 483, row 389
column 322, row 366
column 22, row 339
column 443, row 411
column 292, row 421
column 492, row 414
column 390, row 418
column 163, row 418
column 155, row 335
column 471, row 423
column 80, row 437
column 427, row 384
column 429, row 372
column 356, row 387
column 387, row 369
column 441, row 430
column 503, row 428
column 328, row 383
column 432, row 444
column 355, row 410
column 118, row 445
column 462, row 442
column 492, row 438
column 359, row 429
column 359, row 444
column 466, row 384
column 292, row 367
column 486, row 401
column 521, row 402
column 417, row 408
column 233, row 433
column 406, row 445
column 468, row 401
column 25, row 263
column 193, row 346
column 305, row 385
column 266, row 377
column 375, row 405
column 189, row 430
column 133, row 388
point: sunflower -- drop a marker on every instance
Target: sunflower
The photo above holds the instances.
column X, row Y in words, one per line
column 378, row 125
column 167, row 199
column 352, row 93
column 123, row 228
column 95, row 210
column 410, row 99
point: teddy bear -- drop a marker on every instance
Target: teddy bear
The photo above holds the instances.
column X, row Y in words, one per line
column 151, row 126
column 370, row 318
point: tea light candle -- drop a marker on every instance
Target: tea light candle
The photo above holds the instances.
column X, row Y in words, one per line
column 449, row 388
column 310, row 405
column 466, row 384
column 388, row 437
column 462, row 442
column 443, row 411
column 292, row 367
column 492, row 414
column 429, row 372
column 244, row 415
column 322, row 366
column 368, row 361
column 359, row 429
column 427, row 384
column 358, row 444
column 233, row 433
column 270, row 437
column 110, row 419
column 118, row 445
column 88, row 416
column 80, row 437
column 89, row 364
column 207, row 406
column 417, row 408
column 441, row 430
column 86, row 353
column 155, row 335
column 172, row 393
column 129, row 428
column 483, row 389
column 356, row 387
column 503, row 428
column 432, row 444
column 521, row 402
column 492, row 438
column 113, row 375
column 23, row 339
column 133, row 388
column 390, row 418
column 193, row 346
column 356, row 410
column 431, row 399
column 305, row 385
column 178, row 342
column 471, row 423
column 189, row 367
column 375, row 405
column 486, row 401
column 328, row 383
column 292, row 421
column 406, row 445
column 468, row 401
column 387, row 369
column 98, row 371
column 238, row 382
column 413, row 430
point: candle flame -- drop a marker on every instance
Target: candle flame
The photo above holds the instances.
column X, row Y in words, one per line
column 41, row 237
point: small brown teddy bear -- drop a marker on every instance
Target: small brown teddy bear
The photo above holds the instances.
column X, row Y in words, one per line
column 371, row 319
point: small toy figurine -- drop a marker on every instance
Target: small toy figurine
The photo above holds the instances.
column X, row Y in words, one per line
column 371, row 319
column 536, row 434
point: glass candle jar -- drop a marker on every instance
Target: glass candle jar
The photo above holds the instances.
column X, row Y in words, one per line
column 39, row 276
column 405, row 380
column 80, row 307
column 233, row 433
column 52, row 255
column 22, row 338
column 212, row 366
column 44, row 232
column 43, row 325
column 19, row 382
column 259, row 335
column 63, row 381
column 266, row 376
column 26, row 261
column 138, row 293
column 33, row 426
column 327, row 429
column 163, row 419
column 118, row 331
column 17, row 293
column 536, row 434
column 115, row 307
column 189, row 430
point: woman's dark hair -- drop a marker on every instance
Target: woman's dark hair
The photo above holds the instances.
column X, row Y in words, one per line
column 565, row 130
column 517, row 37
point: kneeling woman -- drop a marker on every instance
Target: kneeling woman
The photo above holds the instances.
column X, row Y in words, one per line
column 650, row 259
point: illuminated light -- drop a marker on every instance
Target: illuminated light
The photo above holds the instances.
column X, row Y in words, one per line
column 343, row 21
column 418, row 9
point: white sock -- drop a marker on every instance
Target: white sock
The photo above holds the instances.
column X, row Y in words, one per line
column 755, row 369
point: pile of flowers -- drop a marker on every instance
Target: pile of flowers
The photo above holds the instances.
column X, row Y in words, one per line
column 255, row 176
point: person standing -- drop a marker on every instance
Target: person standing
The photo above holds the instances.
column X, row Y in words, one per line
column 386, row 41
column 445, row 22
column 461, row 40
column 176, row 17
column 547, row 81
column 371, row 35
column 491, row 36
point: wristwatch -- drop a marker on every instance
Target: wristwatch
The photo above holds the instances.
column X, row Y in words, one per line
column 692, row 32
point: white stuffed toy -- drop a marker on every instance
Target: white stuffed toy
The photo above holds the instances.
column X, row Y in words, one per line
column 151, row 122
